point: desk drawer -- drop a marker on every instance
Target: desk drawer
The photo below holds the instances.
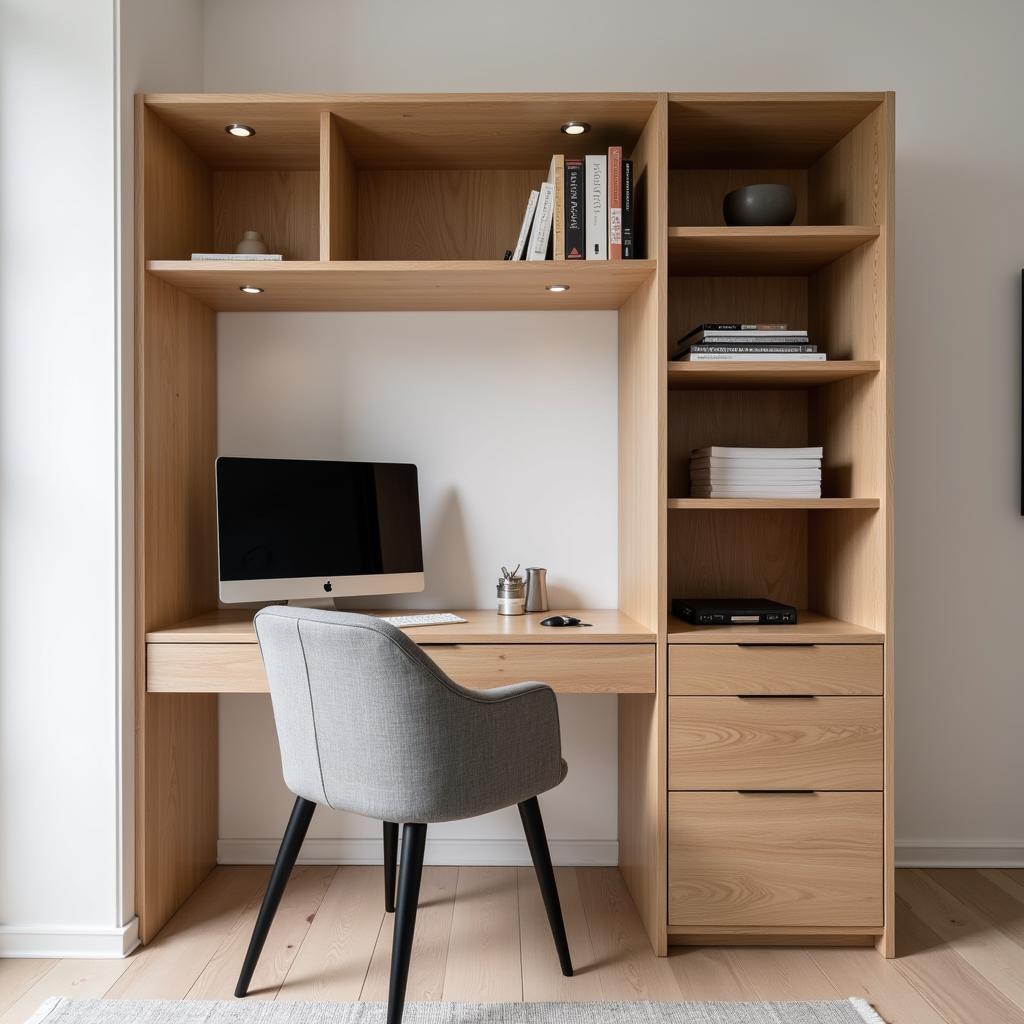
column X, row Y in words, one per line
column 710, row 669
column 775, row 860
column 569, row 668
column 775, row 743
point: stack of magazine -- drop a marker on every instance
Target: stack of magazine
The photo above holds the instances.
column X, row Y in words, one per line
column 720, row 472
column 744, row 343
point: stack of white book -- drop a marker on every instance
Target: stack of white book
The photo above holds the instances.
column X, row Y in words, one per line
column 719, row 472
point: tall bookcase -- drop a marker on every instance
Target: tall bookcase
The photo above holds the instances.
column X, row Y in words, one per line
column 385, row 202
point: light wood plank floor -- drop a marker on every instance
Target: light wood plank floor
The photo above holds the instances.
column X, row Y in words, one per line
column 482, row 935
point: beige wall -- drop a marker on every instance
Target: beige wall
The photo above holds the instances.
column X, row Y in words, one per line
column 960, row 247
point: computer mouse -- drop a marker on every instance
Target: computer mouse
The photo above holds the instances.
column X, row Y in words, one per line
column 562, row 620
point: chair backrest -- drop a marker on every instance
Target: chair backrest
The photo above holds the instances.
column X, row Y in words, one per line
column 366, row 722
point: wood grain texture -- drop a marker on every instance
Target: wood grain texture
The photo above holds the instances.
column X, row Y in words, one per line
column 641, row 540
column 773, row 859
column 686, row 376
column 18, row 976
column 411, row 130
column 442, row 215
column 333, row 959
column 773, row 667
column 609, row 626
column 339, row 194
column 283, row 206
column 430, row 942
column 695, row 196
column 175, row 444
column 777, row 250
column 821, row 743
column 70, row 979
column 406, row 285
column 782, row 129
column 484, row 963
column 567, row 668
column 811, row 628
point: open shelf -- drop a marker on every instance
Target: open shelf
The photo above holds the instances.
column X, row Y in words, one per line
column 684, row 376
column 811, row 504
column 798, row 249
column 811, row 628
column 405, row 284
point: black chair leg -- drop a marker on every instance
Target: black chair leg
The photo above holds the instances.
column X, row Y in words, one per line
column 298, row 824
column 533, row 826
column 414, row 838
column 390, row 861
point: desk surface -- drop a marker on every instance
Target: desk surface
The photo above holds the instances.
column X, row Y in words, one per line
column 234, row 626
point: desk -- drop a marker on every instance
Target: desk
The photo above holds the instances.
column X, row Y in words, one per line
column 217, row 653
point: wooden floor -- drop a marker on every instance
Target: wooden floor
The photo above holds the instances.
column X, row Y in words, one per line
column 482, row 935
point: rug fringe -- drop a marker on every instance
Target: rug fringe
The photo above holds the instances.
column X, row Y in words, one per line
column 45, row 1010
column 867, row 1012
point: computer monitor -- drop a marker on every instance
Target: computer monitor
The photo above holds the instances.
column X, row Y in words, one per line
column 289, row 529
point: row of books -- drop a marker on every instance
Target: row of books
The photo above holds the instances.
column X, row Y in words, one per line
column 725, row 472
column 739, row 343
column 584, row 210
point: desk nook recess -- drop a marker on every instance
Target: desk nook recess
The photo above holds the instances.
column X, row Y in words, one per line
column 755, row 762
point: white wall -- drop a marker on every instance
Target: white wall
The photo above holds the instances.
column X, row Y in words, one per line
column 65, row 768
column 512, row 424
column 960, row 201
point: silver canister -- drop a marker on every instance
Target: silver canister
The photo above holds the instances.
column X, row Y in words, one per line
column 511, row 592
column 536, row 589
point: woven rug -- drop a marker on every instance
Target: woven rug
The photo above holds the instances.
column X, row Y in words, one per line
column 158, row 1011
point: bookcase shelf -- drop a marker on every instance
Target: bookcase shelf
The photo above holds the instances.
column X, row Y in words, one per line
column 405, row 284
column 811, row 628
column 685, row 376
column 749, row 504
column 798, row 249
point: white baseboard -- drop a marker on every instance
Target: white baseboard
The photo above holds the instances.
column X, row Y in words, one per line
column 572, row 852
column 61, row 943
column 959, row 853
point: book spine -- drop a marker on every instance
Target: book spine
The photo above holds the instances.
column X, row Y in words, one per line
column 524, row 232
column 753, row 348
column 556, row 175
column 753, row 357
column 628, row 227
column 615, row 202
column 596, row 168
column 541, row 233
column 713, row 328
column 574, row 232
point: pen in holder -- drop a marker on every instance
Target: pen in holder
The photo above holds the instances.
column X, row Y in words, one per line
column 511, row 592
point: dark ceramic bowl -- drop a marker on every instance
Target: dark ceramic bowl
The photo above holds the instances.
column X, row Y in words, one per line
column 756, row 206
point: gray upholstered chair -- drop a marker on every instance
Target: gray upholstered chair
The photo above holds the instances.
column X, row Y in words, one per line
column 368, row 723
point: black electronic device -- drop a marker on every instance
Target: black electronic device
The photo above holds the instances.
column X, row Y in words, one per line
column 563, row 620
column 744, row 611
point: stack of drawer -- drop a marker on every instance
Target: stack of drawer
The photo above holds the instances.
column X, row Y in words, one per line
column 775, row 772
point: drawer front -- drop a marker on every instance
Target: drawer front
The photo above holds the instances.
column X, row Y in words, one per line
column 569, row 668
column 775, row 860
column 775, row 743
column 709, row 669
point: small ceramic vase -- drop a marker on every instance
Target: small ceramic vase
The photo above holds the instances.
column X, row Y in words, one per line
column 252, row 242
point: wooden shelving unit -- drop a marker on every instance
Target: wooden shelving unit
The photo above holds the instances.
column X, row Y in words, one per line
column 686, row 376
column 800, row 249
column 391, row 202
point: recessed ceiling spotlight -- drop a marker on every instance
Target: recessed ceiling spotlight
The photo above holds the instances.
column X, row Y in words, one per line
column 241, row 131
column 250, row 289
column 557, row 287
column 575, row 127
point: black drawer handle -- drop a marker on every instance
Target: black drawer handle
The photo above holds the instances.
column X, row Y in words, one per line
column 776, row 696
column 432, row 644
column 777, row 792
column 782, row 644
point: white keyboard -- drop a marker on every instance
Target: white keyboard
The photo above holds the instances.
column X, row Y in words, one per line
column 437, row 619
